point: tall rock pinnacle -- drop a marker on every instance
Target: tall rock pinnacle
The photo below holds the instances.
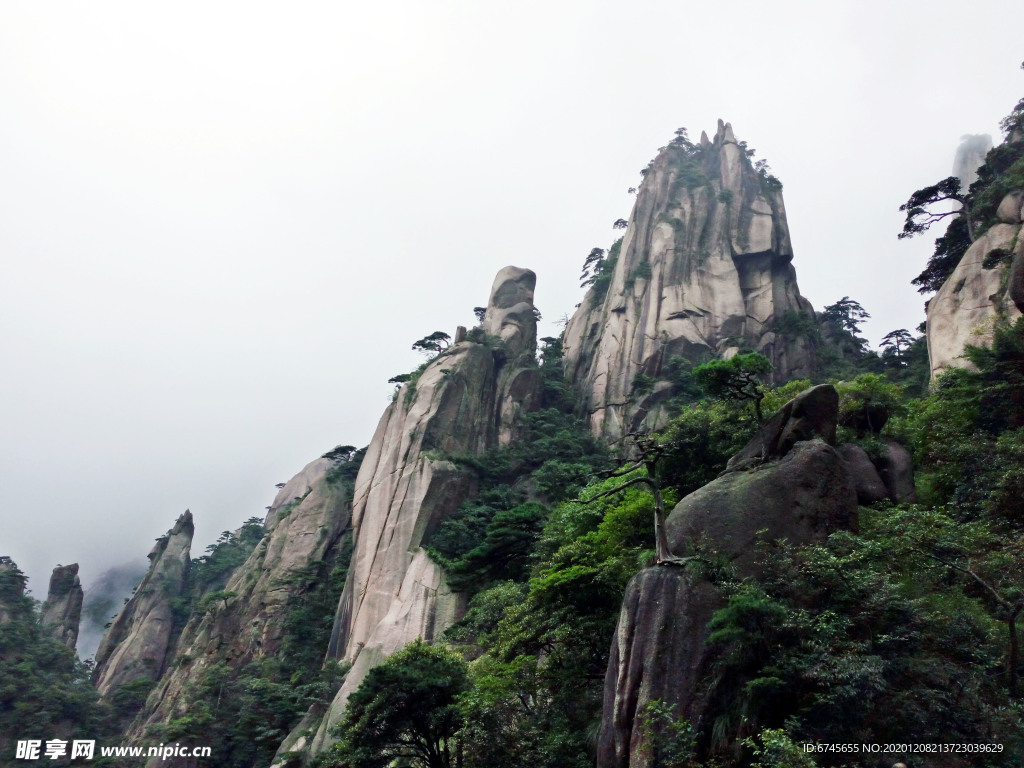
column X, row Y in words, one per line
column 135, row 647
column 703, row 270
column 62, row 610
column 465, row 401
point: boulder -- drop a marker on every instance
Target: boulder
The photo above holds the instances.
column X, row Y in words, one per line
column 811, row 414
column 1008, row 211
column 866, row 480
column 897, row 472
column 803, row 494
column 62, row 610
column 972, row 300
column 658, row 651
column 802, row 497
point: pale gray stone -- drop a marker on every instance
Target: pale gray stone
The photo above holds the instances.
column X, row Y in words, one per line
column 970, row 302
column 1009, row 208
column 467, row 400
column 304, row 526
column 136, row 645
column 720, row 265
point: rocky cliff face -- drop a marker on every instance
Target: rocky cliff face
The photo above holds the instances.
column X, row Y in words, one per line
column 304, row 527
column 463, row 402
column 136, row 646
column 789, row 484
column 62, row 610
column 703, row 270
column 974, row 298
column 987, row 285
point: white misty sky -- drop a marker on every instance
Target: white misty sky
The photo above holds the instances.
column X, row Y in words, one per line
column 223, row 224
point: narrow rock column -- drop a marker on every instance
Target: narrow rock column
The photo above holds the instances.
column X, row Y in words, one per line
column 135, row 647
column 62, row 610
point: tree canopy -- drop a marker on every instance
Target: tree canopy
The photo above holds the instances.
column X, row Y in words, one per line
column 737, row 378
column 404, row 710
column 438, row 341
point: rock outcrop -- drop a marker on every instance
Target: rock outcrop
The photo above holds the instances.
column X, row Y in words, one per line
column 136, row 646
column 465, row 401
column 703, row 270
column 987, row 285
column 973, row 298
column 304, row 528
column 657, row 653
column 897, row 472
column 62, row 610
column 803, row 494
column 889, row 475
column 810, row 414
column 867, row 482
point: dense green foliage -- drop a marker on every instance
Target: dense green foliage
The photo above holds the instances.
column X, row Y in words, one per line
column 738, row 378
column 490, row 537
column 902, row 631
column 244, row 714
column 244, row 706
column 906, row 631
column 405, row 710
column 44, row 688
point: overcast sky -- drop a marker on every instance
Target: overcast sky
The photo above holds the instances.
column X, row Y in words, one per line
column 223, row 224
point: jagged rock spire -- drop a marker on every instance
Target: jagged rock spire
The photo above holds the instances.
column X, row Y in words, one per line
column 62, row 610
column 135, row 647
column 465, row 401
column 703, row 270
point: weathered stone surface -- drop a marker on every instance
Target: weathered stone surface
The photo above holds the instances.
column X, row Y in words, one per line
column 465, row 401
column 810, row 414
column 804, row 496
column 897, row 472
column 659, row 649
column 1009, row 207
column 62, row 610
column 701, row 265
column 972, row 299
column 297, row 488
column 304, row 526
column 866, row 480
column 136, row 645
column 658, row 652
